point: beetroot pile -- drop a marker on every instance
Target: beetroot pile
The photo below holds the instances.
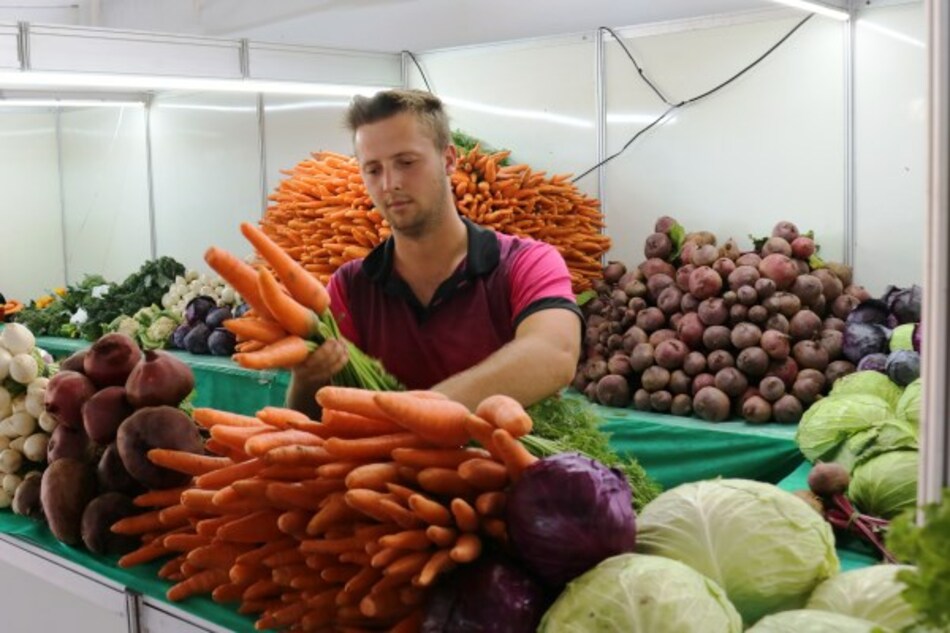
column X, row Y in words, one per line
column 710, row 329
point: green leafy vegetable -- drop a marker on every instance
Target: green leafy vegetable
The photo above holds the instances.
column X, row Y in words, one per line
column 872, row 593
column 927, row 545
column 870, row 382
column 885, row 485
column 908, row 407
column 807, row 621
column 465, row 143
column 831, row 421
column 564, row 424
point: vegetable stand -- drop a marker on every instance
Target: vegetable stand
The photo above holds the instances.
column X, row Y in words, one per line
column 222, row 383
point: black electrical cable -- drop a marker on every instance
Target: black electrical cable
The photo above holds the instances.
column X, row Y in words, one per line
column 415, row 61
column 637, row 66
column 676, row 106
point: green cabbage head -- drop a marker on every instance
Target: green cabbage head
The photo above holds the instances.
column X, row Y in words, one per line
column 886, row 484
column 766, row 547
column 872, row 594
column 832, row 420
column 908, row 407
column 634, row 593
column 870, row 382
column 807, row 621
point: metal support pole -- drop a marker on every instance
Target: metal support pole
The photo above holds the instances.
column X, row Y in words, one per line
column 849, row 228
column 262, row 150
column 149, row 166
column 62, row 194
column 404, row 68
column 935, row 436
column 600, row 70
column 23, row 44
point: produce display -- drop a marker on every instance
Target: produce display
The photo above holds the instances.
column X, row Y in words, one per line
column 86, row 309
column 715, row 331
column 24, row 428
column 111, row 404
column 323, row 217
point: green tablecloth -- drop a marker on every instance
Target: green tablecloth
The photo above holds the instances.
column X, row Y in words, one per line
column 221, row 383
column 676, row 450
column 142, row 579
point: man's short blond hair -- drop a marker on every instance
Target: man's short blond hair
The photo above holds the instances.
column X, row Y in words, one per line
column 425, row 106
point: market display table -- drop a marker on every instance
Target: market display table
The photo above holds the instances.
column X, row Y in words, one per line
column 676, row 450
column 221, row 383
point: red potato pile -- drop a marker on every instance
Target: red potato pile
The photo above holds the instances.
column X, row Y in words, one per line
column 109, row 405
column 717, row 331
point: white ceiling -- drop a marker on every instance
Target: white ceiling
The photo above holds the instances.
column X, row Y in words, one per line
column 382, row 25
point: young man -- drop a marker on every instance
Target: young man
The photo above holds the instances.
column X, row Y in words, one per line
column 443, row 303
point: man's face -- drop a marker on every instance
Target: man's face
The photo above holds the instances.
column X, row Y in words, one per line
column 405, row 174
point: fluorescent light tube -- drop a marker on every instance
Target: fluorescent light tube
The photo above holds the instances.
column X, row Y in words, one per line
column 67, row 103
column 39, row 79
column 816, row 7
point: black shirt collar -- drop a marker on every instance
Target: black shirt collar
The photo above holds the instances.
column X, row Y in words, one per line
column 483, row 256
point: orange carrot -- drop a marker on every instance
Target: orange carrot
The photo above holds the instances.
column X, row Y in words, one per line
column 513, row 453
column 432, row 512
column 444, row 481
column 255, row 329
column 491, row 504
column 294, row 522
column 280, row 472
column 240, row 276
column 466, row 549
column 255, row 556
column 439, row 457
column 249, row 346
column 284, row 558
column 385, row 557
column 407, row 565
column 224, row 476
column 259, row 527
column 298, row 456
column 302, row 495
column 495, row 528
column 209, row 527
column 367, row 502
column 337, row 470
column 439, row 563
column 229, row 592
column 139, row 524
column 400, row 491
column 351, row 400
column 185, row 542
column 185, row 462
column 283, row 418
column 304, row 287
column 373, row 476
column 297, row 319
column 506, row 413
column 344, row 424
column 253, row 487
column 236, row 436
column 407, row 540
column 284, row 354
column 480, row 431
column 171, row 568
column 382, row 605
column 208, row 418
column 409, row 624
column 199, row 500
column 484, row 474
column 465, row 516
column 159, row 498
column 176, row 516
column 442, row 536
column 334, row 512
column 263, row 588
column 260, row 444
column 215, row 447
column 216, row 555
column 441, row 422
column 371, row 448
column 144, row 554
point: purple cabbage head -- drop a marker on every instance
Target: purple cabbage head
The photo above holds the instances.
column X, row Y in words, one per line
column 490, row 596
column 567, row 513
column 869, row 311
column 904, row 303
column 861, row 339
column 917, row 336
column 198, row 308
column 903, row 367
column 874, row 362
column 178, row 336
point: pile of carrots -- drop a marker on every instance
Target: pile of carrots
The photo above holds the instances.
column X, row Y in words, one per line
column 322, row 215
column 289, row 314
column 343, row 524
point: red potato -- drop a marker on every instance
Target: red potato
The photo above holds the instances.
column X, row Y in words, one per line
column 776, row 245
column 703, row 380
column 786, row 230
column 753, row 362
column 713, row 311
column 716, row 337
column 711, row 404
column 803, row 247
column 704, row 283
column 658, row 245
column 780, row 269
column 690, row 330
column 749, row 259
column 743, row 276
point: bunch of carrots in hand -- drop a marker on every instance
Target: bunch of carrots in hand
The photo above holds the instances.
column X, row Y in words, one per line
column 290, row 315
column 348, row 522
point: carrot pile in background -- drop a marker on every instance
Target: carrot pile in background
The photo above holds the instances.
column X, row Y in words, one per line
column 346, row 522
column 323, row 217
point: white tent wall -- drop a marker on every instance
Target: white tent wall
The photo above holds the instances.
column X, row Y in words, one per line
column 536, row 98
column 768, row 147
column 205, row 173
column 890, row 166
column 105, row 191
column 31, row 260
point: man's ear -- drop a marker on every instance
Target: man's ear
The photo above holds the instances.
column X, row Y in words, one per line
column 451, row 158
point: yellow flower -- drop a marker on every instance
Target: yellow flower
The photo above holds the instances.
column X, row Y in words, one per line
column 60, row 291
column 44, row 301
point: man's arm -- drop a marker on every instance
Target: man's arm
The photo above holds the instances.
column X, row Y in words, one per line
column 540, row 360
